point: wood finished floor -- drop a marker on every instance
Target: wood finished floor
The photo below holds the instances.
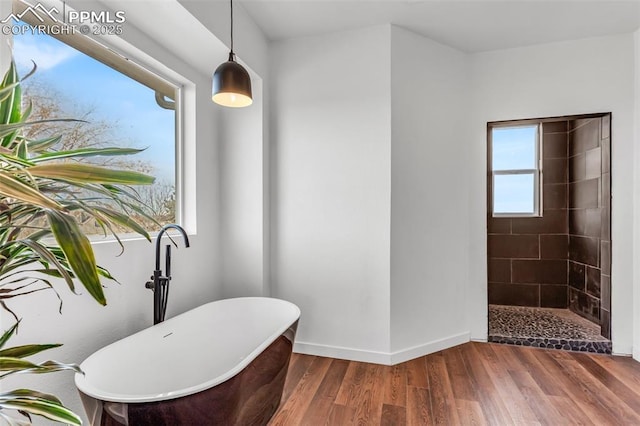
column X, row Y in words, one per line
column 470, row 384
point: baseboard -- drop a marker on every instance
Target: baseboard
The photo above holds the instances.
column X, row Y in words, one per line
column 621, row 350
column 429, row 348
column 375, row 357
column 340, row 352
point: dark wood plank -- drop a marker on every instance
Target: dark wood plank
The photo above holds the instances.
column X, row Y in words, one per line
column 542, row 407
column 505, row 387
column 324, row 398
column 579, row 394
column 543, row 377
column 461, row 385
column 340, row 415
column 494, row 409
column 506, row 358
column 292, row 411
column 352, row 383
column 395, row 391
column 369, row 400
column 470, row 413
column 622, row 391
column 417, row 373
column 570, row 410
column 624, row 368
column 418, row 407
column 393, row 415
column 443, row 404
column 615, row 408
column 298, row 366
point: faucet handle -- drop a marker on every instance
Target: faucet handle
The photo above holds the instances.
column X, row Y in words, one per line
column 149, row 285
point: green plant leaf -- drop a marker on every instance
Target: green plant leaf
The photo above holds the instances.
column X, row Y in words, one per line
column 15, row 162
column 10, row 293
column 10, row 107
column 125, row 197
column 40, row 404
column 78, row 252
column 7, row 334
column 6, row 90
column 48, row 256
column 21, row 149
column 90, row 174
column 27, row 350
column 29, row 393
column 123, row 220
column 10, row 186
column 15, row 292
column 42, row 144
column 14, row 365
column 8, row 128
column 85, row 152
column 51, row 366
column 49, row 271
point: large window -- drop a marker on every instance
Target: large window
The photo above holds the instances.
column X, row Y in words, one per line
column 123, row 104
column 515, row 170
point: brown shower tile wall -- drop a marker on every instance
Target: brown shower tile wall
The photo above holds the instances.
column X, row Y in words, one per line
column 528, row 256
column 590, row 220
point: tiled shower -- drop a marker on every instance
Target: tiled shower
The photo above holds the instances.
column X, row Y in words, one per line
column 561, row 259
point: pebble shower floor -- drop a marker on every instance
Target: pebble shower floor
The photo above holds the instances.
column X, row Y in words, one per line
column 545, row 328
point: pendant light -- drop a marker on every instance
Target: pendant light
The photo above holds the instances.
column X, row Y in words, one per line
column 231, row 82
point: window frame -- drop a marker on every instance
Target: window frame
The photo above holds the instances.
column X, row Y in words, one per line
column 536, row 172
column 141, row 71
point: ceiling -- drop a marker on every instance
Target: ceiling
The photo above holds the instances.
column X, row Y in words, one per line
column 470, row 26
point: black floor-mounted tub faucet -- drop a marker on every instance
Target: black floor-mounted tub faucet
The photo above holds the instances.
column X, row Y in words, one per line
column 159, row 284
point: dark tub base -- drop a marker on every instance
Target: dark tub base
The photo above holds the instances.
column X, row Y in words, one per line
column 249, row 398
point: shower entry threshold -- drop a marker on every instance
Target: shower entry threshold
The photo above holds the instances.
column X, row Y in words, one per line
column 545, row 328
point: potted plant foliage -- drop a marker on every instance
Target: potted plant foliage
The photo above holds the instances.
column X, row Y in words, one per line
column 43, row 193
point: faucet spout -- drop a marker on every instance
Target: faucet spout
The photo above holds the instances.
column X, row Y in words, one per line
column 160, row 283
column 162, row 232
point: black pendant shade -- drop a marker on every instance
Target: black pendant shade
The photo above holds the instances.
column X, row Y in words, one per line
column 231, row 82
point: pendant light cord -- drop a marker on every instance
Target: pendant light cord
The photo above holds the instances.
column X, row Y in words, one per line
column 231, row 1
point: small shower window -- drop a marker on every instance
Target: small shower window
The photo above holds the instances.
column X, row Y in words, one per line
column 515, row 170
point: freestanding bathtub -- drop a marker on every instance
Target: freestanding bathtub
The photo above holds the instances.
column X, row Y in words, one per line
column 223, row 363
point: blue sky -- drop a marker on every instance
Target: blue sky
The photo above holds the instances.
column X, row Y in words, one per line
column 513, row 148
column 112, row 96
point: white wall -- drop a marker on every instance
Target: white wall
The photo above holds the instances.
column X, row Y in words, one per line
column 243, row 206
column 576, row 77
column 84, row 326
column 330, row 134
column 636, row 202
column 429, row 205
